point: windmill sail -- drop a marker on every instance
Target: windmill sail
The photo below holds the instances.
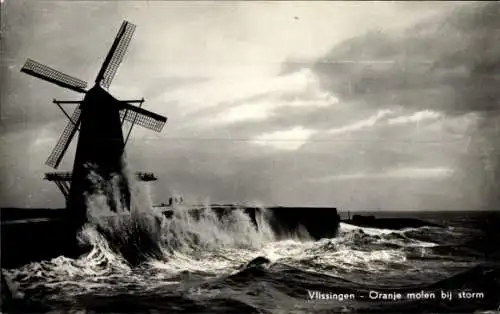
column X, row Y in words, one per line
column 46, row 73
column 142, row 117
column 115, row 54
column 64, row 140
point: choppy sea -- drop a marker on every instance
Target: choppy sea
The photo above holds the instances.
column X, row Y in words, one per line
column 229, row 266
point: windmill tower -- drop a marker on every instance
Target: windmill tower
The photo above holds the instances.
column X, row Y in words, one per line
column 98, row 118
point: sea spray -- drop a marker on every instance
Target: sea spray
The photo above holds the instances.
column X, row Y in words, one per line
column 201, row 228
column 142, row 233
column 134, row 233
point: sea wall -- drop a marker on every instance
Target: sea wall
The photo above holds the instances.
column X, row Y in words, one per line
column 24, row 241
column 318, row 222
column 37, row 234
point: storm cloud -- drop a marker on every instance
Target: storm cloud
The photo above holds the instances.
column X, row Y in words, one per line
column 360, row 106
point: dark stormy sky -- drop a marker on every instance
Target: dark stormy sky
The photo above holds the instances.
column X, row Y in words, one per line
column 369, row 105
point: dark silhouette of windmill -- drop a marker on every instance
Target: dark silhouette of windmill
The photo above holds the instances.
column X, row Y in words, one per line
column 98, row 118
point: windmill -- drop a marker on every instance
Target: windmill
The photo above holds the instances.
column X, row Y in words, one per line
column 98, row 118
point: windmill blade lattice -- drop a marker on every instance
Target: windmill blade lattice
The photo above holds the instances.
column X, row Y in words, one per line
column 62, row 145
column 115, row 54
column 48, row 74
column 142, row 117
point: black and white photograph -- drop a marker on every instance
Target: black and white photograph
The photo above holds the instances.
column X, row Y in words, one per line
column 273, row 157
